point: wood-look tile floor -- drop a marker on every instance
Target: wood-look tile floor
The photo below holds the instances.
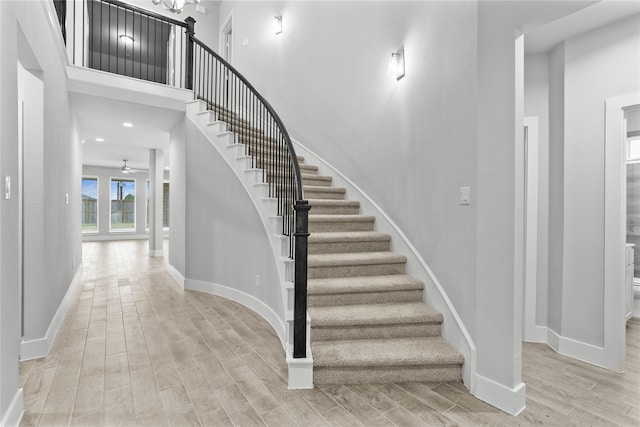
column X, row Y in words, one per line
column 135, row 349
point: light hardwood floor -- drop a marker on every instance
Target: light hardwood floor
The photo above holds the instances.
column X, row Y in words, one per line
column 135, row 349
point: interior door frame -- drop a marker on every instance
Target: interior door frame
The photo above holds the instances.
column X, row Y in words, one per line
column 530, row 331
column 226, row 28
column 615, row 214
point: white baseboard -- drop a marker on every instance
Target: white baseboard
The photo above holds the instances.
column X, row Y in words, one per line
column 156, row 253
column 39, row 347
column 115, row 236
column 14, row 413
column 578, row 350
column 177, row 276
column 243, row 298
column 510, row 400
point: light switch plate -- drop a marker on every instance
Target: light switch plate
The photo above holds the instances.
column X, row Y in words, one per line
column 465, row 195
column 7, row 187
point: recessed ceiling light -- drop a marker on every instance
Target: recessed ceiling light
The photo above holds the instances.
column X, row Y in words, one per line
column 127, row 125
column 83, row 141
column 166, row 168
column 99, row 139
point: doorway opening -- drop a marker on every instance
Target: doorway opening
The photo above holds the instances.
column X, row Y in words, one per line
column 30, row 192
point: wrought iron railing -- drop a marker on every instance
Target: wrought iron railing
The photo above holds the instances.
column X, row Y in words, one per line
column 119, row 38
column 166, row 51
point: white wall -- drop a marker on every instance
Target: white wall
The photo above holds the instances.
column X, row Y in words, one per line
column 598, row 65
column 575, row 79
column 536, row 74
column 556, row 186
column 61, row 243
column 326, row 75
column 226, row 242
column 206, row 23
column 177, row 201
column 450, row 122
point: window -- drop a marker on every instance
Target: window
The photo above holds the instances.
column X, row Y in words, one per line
column 123, row 204
column 165, row 204
column 89, row 205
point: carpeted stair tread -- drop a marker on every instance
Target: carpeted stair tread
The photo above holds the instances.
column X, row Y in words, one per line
column 395, row 282
column 355, row 258
column 373, row 314
column 340, row 218
column 385, row 352
column 349, row 236
column 331, row 202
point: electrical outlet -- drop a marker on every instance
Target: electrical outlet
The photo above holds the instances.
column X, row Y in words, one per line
column 257, row 280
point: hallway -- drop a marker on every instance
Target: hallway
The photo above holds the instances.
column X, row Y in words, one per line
column 135, row 349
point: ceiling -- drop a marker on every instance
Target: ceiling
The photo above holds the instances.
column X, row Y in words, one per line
column 544, row 38
column 103, row 118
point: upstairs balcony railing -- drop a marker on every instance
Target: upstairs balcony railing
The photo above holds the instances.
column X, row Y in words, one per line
column 116, row 37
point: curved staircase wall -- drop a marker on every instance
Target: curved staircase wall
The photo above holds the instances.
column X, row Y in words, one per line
column 228, row 250
column 409, row 144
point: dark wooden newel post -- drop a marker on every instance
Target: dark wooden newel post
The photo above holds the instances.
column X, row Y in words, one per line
column 191, row 25
column 300, row 293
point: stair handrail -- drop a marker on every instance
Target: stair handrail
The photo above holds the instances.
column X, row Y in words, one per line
column 285, row 133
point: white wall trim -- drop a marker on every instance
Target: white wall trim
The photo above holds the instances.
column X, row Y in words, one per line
column 14, row 413
column 156, row 253
column 453, row 330
column 245, row 299
column 614, row 232
column 510, row 400
column 40, row 347
column 177, row 276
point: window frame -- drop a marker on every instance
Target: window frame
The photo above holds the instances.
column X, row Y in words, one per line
column 123, row 230
column 97, row 179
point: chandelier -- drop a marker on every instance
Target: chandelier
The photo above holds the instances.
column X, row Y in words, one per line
column 174, row 6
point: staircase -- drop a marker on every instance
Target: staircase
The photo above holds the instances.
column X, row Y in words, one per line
column 369, row 323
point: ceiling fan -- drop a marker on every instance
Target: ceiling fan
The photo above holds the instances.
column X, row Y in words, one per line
column 127, row 169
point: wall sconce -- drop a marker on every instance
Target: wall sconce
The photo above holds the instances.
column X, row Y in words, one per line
column 126, row 39
column 277, row 24
column 397, row 63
